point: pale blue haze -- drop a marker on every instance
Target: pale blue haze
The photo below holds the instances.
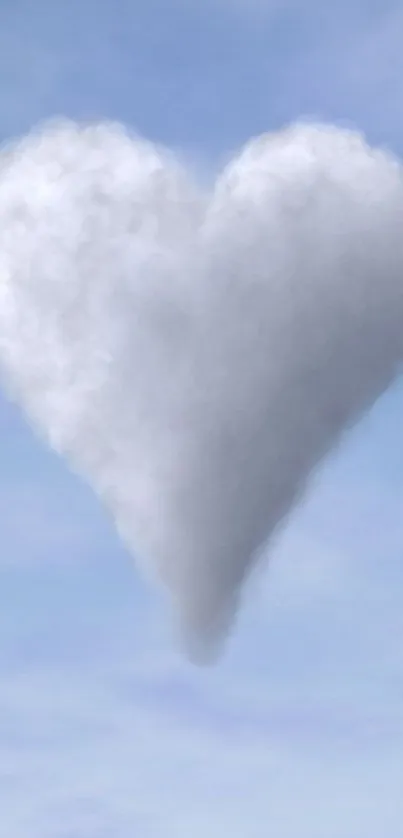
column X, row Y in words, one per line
column 104, row 731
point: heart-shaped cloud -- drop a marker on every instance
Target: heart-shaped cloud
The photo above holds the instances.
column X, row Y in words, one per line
column 195, row 355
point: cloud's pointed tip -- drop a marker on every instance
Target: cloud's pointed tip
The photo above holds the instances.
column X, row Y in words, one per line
column 204, row 634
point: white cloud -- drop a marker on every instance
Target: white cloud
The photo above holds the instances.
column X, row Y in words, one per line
column 307, row 739
column 196, row 359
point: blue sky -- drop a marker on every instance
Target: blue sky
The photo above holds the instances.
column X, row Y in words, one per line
column 104, row 730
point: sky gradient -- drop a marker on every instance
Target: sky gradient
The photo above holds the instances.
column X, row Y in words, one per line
column 105, row 730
